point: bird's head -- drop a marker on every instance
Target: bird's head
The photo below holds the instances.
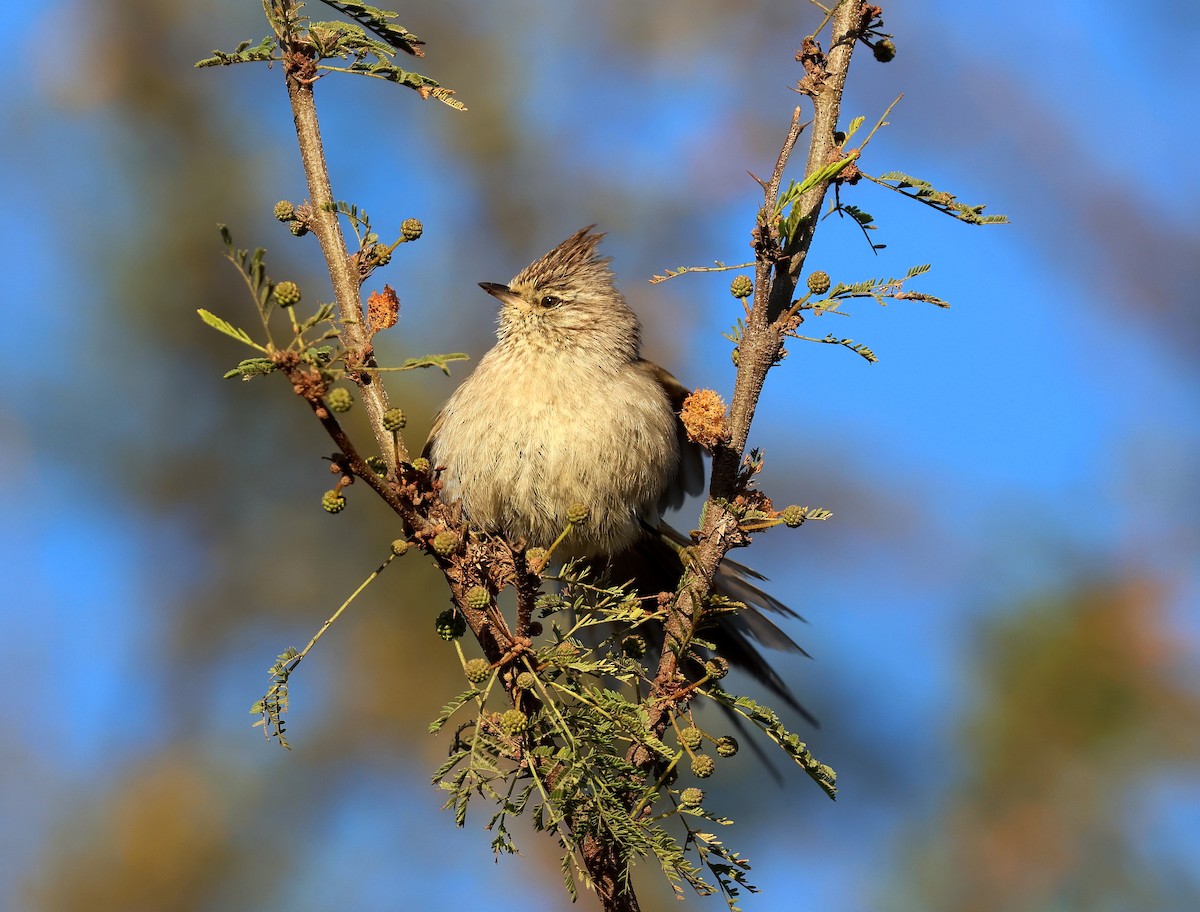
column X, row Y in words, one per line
column 567, row 300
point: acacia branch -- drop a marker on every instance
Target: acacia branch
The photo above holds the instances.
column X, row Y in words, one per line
column 777, row 269
column 301, row 75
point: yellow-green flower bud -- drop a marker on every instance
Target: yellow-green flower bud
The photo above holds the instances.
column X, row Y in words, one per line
column 691, row 797
column 634, row 646
column 727, row 746
column 445, row 543
column 477, row 670
column 339, row 399
column 514, row 722
column 477, row 597
column 287, row 294
column 577, row 513
column 411, row 229
column 285, row 211
column 400, row 547
column 333, row 502
column 741, row 287
column 703, row 766
column 691, row 738
column 717, row 667
column 394, row 419
column 818, row 282
column 793, row 516
column 450, row 625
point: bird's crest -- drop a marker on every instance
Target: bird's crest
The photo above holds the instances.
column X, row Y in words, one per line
column 572, row 264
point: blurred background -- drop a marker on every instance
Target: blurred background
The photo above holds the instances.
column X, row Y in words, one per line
column 1002, row 609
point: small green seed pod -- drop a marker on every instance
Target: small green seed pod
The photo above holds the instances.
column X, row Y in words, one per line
column 741, row 287
column 394, row 419
column 445, row 543
column 477, row 670
column 703, row 766
column 287, row 294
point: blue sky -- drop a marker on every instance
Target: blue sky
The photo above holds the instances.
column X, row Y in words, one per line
column 1044, row 429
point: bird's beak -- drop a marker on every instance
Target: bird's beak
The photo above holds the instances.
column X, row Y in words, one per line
column 501, row 292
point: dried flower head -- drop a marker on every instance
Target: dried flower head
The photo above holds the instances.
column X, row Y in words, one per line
column 703, row 417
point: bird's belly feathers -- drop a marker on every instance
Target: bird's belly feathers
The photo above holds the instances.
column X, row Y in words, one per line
column 549, row 443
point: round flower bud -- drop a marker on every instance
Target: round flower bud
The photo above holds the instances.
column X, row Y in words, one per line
column 691, row 738
column 703, row 766
column 526, row 680
column 400, row 547
column 285, row 211
column 450, row 625
column 394, row 419
column 691, row 797
column 535, row 556
column 299, row 228
column 287, row 294
column 566, row 652
column 514, row 722
column 818, row 282
column 727, row 746
column 477, row 597
column 477, row 670
column 377, row 465
column 445, row 543
column 717, row 667
column 411, row 229
column 793, row 516
column 634, row 646
column 885, row 50
column 421, row 464
column 741, row 287
column 333, row 502
column 577, row 513
column 339, row 399
column 381, row 254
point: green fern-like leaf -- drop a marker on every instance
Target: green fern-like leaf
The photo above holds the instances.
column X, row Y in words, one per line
column 264, row 51
column 224, row 326
column 924, row 192
column 438, row 361
column 379, row 22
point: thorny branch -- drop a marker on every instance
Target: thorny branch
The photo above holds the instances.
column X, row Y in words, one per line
column 300, row 74
column 480, row 560
column 777, row 271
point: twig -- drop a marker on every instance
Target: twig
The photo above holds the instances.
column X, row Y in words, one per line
column 300, row 75
column 776, row 273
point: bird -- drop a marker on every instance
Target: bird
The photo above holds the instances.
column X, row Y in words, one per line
column 564, row 410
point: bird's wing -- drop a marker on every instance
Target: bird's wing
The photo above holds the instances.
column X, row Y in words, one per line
column 433, row 432
column 654, row 565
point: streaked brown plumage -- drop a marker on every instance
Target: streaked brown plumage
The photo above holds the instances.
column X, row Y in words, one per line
column 563, row 410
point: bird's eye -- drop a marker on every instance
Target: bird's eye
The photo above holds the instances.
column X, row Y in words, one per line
column 549, row 301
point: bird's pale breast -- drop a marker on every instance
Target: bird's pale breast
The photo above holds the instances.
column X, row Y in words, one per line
column 523, row 439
